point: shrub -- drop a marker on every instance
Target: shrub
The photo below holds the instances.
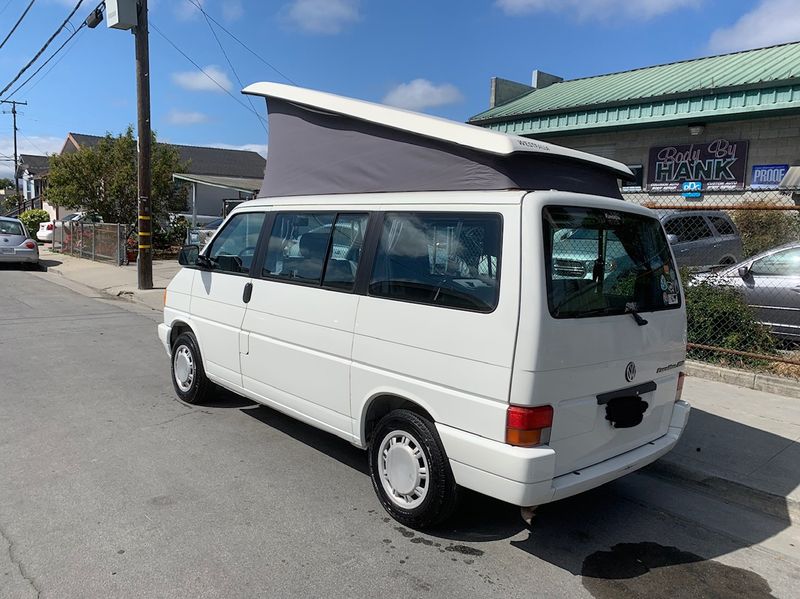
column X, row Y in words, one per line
column 32, row 218
column 765, row 229
column 718, row 316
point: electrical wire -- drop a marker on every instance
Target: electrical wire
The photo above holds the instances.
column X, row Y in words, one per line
column 199, row 68
column 43, row 48
column 14, row 28
column 53, row 66
column 230, row 64
column 241, row 43
column 44, row 64
column 30, row 141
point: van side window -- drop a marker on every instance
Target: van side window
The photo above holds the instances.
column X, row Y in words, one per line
column 442, row 259
column 316, row 248
column 232, row 250
column 346, row 250
column 298, row 245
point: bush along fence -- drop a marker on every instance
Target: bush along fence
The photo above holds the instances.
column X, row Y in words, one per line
column 739, row 257
column 103, row 242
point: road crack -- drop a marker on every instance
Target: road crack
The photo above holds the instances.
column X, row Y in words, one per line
column 18, row 562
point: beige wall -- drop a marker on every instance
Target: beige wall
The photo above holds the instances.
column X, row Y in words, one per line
column 772, row 141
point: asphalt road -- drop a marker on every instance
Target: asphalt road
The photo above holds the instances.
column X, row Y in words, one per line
column 110, row 487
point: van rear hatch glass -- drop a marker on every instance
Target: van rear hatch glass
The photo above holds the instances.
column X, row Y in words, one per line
column 606, row 262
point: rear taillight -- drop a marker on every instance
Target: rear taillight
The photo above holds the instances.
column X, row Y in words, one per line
column 679, row 391
column 527, row 427
column 29, row 244
column 49, row 226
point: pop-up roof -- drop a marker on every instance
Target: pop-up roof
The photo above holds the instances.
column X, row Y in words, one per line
column 320, row 143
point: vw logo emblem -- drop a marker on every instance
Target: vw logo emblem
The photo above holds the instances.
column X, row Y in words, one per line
column 630, row 372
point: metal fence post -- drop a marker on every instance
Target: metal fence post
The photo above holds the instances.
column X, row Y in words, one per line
column 94, row 237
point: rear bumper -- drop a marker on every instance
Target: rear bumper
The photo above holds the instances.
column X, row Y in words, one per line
column 21, row 255
column 524, row 477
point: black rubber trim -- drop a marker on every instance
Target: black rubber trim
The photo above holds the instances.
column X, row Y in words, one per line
column 636, row 390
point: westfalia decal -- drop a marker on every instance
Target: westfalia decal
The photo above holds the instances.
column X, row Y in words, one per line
column 720, row 165
column 670, row 367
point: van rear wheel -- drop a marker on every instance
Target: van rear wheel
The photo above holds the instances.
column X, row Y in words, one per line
column 410, row 471
column 188, row 376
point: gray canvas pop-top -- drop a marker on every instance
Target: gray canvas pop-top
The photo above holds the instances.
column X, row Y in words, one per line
column 320, row 143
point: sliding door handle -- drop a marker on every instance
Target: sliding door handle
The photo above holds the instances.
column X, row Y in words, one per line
column 247, row 293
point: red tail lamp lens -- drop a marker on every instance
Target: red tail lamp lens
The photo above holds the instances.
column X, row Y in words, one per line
column 29, row 244
column 527, row 427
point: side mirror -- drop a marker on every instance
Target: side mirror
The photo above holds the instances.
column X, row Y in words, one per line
column 744, row 271
column 188, row 255
column 672, row 239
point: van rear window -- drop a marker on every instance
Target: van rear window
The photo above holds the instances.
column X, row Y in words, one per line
column 606, row 262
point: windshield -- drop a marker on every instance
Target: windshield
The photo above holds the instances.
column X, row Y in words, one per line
column 604, row 262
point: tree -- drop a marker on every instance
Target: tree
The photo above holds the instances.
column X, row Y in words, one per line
column 103, row 179
column 6, row 183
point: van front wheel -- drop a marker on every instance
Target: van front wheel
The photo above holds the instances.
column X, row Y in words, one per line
column 410, row 471
column 188, row 376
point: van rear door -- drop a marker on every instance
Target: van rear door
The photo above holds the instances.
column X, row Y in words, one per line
column 602, row 325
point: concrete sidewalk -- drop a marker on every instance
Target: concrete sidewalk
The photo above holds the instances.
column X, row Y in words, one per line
column 740, row 443
column 109, row 279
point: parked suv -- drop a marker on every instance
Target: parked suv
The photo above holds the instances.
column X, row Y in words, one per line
column 702, row 238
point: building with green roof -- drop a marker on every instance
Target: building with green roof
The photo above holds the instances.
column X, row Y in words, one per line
column 728, row 122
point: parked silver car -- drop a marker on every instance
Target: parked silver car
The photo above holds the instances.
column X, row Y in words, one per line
column 16, row 244
column 702, row 238
column 770, row 282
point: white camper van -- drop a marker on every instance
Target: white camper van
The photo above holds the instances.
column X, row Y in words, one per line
column 474, row 309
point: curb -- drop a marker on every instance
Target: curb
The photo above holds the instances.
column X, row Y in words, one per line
column 114, row 293
column 751, row 380
column 764, row 502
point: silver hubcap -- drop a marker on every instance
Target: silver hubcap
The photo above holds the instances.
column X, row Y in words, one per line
column 403, row 469
column 183, row 366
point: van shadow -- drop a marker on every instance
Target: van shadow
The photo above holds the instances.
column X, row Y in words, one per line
column 615, row 537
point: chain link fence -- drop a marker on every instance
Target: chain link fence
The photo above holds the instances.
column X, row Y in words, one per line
column 739, row 257
column 104, row 242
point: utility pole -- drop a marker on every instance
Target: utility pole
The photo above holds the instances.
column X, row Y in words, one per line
column 144, row 264
column 16, row 157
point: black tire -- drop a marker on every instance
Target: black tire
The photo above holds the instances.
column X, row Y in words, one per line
column 198, row 389
column 441, row 491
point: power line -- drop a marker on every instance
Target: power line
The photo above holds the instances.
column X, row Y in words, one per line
column 245, row 46
column 55, row 64
column 14, row 28
column 43, row 48
column 30, row 141
column 51, row 57
column 230, row 64
column 199, row 68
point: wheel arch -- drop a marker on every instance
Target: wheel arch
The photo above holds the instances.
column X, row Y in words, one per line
column 381, row 403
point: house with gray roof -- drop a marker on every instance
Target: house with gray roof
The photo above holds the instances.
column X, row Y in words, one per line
column 215, row 175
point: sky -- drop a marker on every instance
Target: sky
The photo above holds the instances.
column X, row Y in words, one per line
column 435, row 56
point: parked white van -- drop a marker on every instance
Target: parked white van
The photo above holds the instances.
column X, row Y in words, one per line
column 423, row 310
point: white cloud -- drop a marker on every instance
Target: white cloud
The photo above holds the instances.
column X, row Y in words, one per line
column 190, row 117
column 232, row 10
column 327, row 17
column 603, row 9
column 197, row 81
column 420, row 94
column 31, row 144
column 185, row 10
column 771, row 22
column 259, row 148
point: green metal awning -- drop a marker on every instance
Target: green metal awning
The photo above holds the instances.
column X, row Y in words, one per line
column 760, row 82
